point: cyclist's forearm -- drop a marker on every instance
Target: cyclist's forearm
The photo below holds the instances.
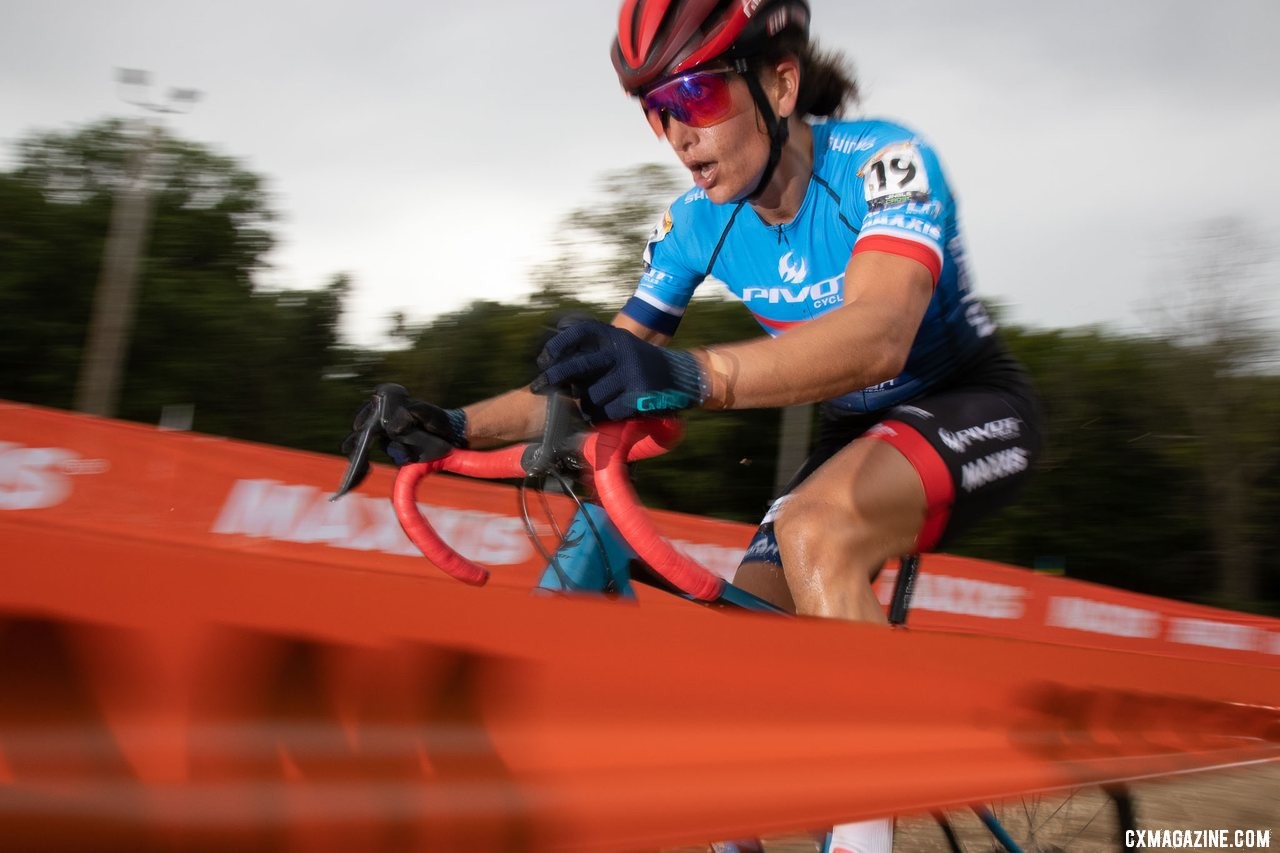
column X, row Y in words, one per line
column 863, row 343
column 770, row 373
column 512, row 416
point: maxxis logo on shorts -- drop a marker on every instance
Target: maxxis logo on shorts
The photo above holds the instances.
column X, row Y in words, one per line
column 997, row 466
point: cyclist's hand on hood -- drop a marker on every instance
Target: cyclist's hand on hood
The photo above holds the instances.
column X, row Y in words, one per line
column 616, row 375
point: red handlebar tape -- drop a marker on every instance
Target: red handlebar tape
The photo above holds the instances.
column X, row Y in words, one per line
column 491, row 465
column 606, row 451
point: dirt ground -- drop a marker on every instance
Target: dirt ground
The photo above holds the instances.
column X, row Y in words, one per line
column 1241, row 799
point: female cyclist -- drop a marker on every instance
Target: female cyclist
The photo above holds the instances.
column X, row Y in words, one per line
column 841, row 238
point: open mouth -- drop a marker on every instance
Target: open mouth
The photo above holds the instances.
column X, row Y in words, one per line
column 703, row 172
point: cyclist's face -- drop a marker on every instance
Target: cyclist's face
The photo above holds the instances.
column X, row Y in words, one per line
column 726, row 158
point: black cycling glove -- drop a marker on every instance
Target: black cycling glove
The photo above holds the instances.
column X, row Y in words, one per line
column 615, row 375
column 407, row 430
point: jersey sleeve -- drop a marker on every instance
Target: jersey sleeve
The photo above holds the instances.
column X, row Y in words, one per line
column 670, row 274
column 902, row 203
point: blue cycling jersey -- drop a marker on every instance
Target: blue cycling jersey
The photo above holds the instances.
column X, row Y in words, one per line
column 876, row 187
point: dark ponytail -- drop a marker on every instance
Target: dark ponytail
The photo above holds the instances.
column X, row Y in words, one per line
column 827, row 82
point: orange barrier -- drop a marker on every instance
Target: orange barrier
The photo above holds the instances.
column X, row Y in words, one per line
column 60, row 470
column 179, row 696
column 64, row 470
column 178, row 667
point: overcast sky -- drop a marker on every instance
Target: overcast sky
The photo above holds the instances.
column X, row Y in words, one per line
column 429, row 148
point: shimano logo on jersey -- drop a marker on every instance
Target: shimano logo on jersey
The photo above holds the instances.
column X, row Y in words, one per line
column 694, row 195
column 960, row 441
column 820, row 294
column 850, row 144
column 790, row 272
column 663, row 401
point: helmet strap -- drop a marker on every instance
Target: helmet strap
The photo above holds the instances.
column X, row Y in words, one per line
column 779, row 130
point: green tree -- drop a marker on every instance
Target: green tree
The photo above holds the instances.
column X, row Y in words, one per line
column 1108, row 501
column 601, row 245
column 255, row 364
column 1217, row 372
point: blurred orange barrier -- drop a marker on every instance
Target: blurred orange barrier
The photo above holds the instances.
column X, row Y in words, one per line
column 60, row 470
column 157, row 695
column 184, row 661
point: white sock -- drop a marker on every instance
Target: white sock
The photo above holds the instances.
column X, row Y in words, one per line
column 868, row 836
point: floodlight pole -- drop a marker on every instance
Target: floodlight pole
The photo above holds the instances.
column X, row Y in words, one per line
column 115, row 299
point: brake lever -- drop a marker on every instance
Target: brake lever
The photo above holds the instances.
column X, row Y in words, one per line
column 385, row 398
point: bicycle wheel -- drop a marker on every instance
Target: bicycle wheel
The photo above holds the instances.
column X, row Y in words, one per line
column 1081, row 821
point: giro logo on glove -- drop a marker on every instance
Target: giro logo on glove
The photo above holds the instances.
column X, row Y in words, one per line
column 663, row 401
column 615, row 375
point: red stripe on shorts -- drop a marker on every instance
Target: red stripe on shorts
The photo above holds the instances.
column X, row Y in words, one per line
column 939, row 491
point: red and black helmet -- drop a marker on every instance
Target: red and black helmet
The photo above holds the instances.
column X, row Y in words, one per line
column 659, row 38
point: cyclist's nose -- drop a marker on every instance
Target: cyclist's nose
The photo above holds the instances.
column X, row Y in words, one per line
column 680, row 135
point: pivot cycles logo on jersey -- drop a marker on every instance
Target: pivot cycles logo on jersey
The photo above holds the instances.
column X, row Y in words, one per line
column 791, row 272
column 819, row 294
column 1001, row 429
column 40, row 477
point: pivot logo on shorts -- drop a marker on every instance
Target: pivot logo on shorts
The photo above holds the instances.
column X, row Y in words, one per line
column 1001, row 429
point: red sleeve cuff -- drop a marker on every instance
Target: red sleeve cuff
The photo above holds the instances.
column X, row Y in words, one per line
column 919, row 252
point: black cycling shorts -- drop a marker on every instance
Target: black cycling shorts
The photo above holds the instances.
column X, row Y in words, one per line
column 973, row 442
